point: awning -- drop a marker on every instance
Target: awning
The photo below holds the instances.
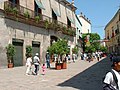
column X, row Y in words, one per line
column 71, row 19
column 56, row 11
column 40, row 5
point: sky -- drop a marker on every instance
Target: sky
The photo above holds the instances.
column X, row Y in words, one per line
column 99, row 12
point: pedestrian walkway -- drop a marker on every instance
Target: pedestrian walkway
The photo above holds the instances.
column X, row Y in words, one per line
column 80, row 75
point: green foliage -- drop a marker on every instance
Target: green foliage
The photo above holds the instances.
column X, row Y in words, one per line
column 94, row 46
column 28, row 51
column 37, row 19
column 15, row 10
column 60, row 47
column 10, row 52
column 8, row 8
column 46, row 23
column 103, row 49
column 75, row 50
column 64, row 29
column 27, row 15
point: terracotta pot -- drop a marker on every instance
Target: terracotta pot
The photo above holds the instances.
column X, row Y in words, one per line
column 10, row 65
column 64, row 65
column 58, row 66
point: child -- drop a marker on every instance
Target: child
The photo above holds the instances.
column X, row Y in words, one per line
column 43, row 69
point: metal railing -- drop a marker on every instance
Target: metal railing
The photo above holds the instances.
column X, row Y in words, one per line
column 20, row 10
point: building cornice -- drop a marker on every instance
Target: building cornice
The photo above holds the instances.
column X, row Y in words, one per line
column 118, row 12
column 85, row 19
column 68, row 4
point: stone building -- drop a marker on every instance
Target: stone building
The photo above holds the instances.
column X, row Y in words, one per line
column 86, row 24
column 112, row 33
column 34, row 22
column 79, row 41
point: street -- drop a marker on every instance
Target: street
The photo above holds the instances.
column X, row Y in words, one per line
column 80, row 75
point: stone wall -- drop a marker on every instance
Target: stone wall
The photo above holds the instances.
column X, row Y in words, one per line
column 10, row 29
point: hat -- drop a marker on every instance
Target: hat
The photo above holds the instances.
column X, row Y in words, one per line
column 36, row 54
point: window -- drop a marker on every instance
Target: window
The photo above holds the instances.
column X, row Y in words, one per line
column 68, row 23
column 14, row 1
column 38, row 11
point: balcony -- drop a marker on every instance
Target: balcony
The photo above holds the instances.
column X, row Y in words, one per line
column 21, row 14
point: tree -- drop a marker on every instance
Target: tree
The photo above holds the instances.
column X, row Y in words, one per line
column 94, row 46
column 60, row 47
column 75, row 50
column 103, row 49
column 28, row 50
column 10, row 52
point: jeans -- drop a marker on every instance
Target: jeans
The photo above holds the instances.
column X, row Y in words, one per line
column 48, row 64
column 36, row 69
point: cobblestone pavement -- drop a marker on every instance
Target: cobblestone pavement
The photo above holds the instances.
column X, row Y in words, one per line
column 80, row 75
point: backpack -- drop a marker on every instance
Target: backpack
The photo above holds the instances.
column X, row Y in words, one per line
column 35, row 60
column 108, row 86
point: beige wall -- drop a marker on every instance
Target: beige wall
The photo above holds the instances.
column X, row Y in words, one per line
column 48, row 4
column 85, row 25
column 28, row 33
column 112, row 25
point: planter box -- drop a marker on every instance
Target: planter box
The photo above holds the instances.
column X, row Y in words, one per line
column 64, row 65
column 58, row 66
column 10, row 65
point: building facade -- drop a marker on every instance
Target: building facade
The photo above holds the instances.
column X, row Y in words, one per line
column 86, row 24
column 112, row 33
column 34, row 22
column 79, row 41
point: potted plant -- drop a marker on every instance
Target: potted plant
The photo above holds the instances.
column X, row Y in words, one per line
column 27, row 15
column 46, row 24
column 60, row 48
column 28, row 50
column 15, row 11
column 10, row 53
column 37, row 19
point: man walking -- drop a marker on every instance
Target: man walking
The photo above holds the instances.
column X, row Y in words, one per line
column 48, row 59
column 36, row 62
column 112, row 79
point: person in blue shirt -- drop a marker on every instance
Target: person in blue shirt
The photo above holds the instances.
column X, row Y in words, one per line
column 48, row 59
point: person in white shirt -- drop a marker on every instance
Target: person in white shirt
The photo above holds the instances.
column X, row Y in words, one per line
column 28, row 64
column 109, row 80
column 36, row 62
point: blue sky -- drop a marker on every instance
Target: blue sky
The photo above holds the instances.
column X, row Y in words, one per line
column 100, row 12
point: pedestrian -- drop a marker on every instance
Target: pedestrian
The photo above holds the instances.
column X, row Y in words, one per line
column 89, row 57
column 73, row 57
column 82, row 56
column 36, row 62
column 112, row 79
column 68, row 58
column 98, row 56
column 43, row 69
column 28, row 64
column 48, row 59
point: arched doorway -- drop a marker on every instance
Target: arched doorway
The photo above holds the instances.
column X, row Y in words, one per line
column 53, row 39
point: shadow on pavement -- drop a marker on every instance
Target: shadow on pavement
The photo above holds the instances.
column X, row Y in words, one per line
column 91, row 78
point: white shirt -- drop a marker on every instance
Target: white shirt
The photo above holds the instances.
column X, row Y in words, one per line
column 109, row 79
column 36, row 58
column 29, row 61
